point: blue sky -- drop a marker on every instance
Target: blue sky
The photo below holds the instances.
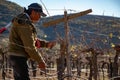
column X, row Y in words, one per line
column 56, row 7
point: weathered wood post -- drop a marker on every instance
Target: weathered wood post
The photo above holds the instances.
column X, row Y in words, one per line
column 67, row 46
column 93, row 63
column 61, row 61
column 65, row 20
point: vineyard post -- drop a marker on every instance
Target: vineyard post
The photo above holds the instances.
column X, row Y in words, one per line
column 65, row 20
column 67, row 45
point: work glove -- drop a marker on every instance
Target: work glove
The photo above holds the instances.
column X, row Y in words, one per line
column 2, row 30
column 42, row 65
column 37, row 43
column 40, row 43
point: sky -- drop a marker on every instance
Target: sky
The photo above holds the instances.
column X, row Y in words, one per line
column 57, row 7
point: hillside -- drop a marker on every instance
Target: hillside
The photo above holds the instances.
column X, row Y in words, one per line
column 7, row 11
column 91, row 30
column 100, row 31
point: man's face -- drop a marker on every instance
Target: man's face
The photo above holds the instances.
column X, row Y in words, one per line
column 35, row 16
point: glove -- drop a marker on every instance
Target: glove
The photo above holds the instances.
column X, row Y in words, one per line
column 41, row 65
column 51, row 44
column 2, row 30
column 37, row 43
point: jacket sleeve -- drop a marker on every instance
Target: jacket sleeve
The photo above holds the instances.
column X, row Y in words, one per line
column 28, row 38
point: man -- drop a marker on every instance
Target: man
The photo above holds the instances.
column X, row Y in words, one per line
column 22, row 41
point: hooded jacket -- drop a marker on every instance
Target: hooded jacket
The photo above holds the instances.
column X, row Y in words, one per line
column 22, row 38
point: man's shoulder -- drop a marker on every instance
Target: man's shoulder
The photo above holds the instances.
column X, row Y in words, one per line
column 22, row 16
column 22, row 19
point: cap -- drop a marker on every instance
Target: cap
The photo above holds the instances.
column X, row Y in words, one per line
column 37, row 7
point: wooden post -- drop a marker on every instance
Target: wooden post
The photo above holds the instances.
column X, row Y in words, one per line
column 65, row 20
column 67, row 45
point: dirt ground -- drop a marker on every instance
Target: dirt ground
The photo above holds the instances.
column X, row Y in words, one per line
column 50, row 75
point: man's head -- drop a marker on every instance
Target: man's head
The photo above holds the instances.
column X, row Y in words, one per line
column 37, row 7
column 36, row 11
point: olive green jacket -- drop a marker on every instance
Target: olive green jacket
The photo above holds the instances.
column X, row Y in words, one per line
column 22, row 38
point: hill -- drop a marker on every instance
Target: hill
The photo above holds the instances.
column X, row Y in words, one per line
column 100, row 31
column 7, row 11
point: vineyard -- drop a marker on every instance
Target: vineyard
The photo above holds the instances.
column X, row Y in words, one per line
column 66, row 61
column 88, row 64
column 87, row 47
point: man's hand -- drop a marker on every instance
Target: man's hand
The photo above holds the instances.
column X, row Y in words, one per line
column 41, row 65
column 37, row 43
column 51, row 44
